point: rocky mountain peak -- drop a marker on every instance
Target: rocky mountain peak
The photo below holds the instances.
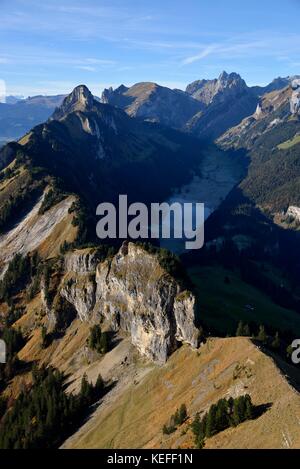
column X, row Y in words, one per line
column 81, row 99
column 108, row 94
column 230, row 80
column 207, row 91
column 223, row 76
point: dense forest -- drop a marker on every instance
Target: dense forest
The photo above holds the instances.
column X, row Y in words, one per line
column 42, row 416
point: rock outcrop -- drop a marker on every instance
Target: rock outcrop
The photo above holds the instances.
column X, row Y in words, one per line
column 133, row 293
column 79, row 290
column 295, row 98
column 34, row 231
column 294, row 212
column 82, row 261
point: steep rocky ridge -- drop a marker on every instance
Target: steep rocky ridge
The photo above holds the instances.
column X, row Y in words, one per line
column 133, row 293
column 272, row 109
column 277, row 84
column 206, row 109
column 154, row 103
column 228, row 100
column 218, row 89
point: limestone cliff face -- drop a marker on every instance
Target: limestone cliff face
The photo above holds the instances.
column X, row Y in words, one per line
column 295, row 98
column 82, row 261
column 79, row 290
column 184, row 311
column 133, row 293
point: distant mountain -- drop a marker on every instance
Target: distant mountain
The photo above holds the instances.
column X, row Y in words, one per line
column 17, row 116
column 206, row 109
column 153, row 103
column 13, row 99
column 277, row 84
column 218, row 89
column 227, row 99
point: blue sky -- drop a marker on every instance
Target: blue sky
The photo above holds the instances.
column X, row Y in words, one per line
column 50, row 47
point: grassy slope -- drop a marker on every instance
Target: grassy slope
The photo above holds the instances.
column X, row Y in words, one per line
column 133, row 418
column 289, row 143
column 222, row 305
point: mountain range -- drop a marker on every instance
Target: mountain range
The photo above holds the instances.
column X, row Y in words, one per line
column 174, row 108
column 137, row 335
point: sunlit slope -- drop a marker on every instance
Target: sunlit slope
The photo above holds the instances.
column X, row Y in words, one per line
column 133, row 417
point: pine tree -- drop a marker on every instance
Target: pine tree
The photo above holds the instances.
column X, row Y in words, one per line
column 222, row 415
column 200, row 442
column 246, row 332
column 240, row 329
column 211, row 429
column 103, row 345
column 262, row 336
column 44, row 337
column 196, row 424
column 276, row 342
column 249, row 410
column 241, row 403
column 182, row 414
column 289, row 351
column 86, row 391
column 175, row 419
column 202, row 430
column 165, row 430
column 99, row 386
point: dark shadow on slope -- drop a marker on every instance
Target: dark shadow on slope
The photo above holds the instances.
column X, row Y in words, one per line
column 259, row 410
column 85, row 414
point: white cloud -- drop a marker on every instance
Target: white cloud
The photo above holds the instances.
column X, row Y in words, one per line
column 245, row 46
column 87, row 68
column 204, row 53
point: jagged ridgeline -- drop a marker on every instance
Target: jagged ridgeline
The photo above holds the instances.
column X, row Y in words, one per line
column 100, row 152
